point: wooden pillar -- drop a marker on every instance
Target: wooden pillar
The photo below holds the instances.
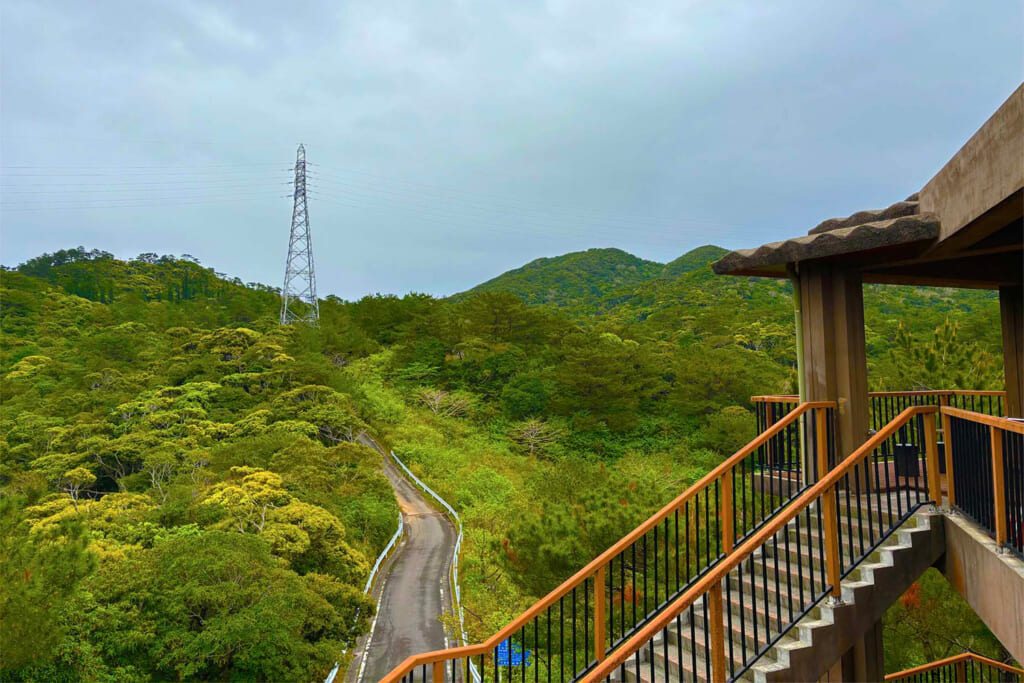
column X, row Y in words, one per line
column 600, row 615
column 835, row 360
column 1011, row 309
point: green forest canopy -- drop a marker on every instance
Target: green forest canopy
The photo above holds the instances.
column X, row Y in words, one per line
column 183, row 498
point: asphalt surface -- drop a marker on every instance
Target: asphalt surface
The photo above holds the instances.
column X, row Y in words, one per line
column 413, row 591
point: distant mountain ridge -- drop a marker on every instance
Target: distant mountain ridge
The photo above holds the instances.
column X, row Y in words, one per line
column 644, row 299
column 582, row 279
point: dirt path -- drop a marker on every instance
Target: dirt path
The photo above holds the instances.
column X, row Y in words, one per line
column 413, row 589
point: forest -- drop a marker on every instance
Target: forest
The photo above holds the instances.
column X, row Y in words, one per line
column 183, row 496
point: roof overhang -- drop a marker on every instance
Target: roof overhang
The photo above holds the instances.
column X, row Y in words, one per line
column 772, row 259
column 964, row 229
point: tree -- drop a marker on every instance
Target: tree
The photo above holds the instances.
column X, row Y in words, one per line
column 75, row 481
column 249, row 499
column 160, row 466
column 932, row 621
column 944, row 362
column 444, row 403
column 603, row 379
column 39, row 571
column 524, row 396
column 216, row 605
column 535, row 435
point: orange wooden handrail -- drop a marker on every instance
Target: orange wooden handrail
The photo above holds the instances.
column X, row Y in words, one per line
column 598, row 564
column 956, row 659
column 793, row 398
column 1006, row 424
column 995, row 426
column 713, row 578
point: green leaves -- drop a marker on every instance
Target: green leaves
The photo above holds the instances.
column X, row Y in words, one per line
column 38, row 571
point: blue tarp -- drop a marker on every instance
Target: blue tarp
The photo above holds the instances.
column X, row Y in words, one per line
column 510, row 654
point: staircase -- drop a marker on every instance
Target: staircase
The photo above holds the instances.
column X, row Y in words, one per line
column 767, row 569
column 771, row 590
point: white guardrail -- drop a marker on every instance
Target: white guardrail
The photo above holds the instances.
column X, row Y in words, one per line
column 456, row 590
column 392, row 544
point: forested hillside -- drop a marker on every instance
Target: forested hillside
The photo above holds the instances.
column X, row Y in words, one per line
column 576, row 279
column 182, row 497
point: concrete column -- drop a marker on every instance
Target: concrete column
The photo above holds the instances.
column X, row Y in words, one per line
column 835, row 360
column 1011, row 309
column 864, row 662
column 869, row 656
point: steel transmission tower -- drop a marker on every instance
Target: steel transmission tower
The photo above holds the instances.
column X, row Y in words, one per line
column 298, row 296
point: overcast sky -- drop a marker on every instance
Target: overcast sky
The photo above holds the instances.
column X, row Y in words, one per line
column 450, row 141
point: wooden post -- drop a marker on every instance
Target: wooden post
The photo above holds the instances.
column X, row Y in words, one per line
column 1011, row 312
column 831, row 515
column 947, row 436
column 828, row 508
column 821, row 442
column 961, row 671
column 931, row 459
column 438, row 672
column 600, row 649
column 998, row 484
column 835, row 357
column 726, row 512
column 715, row 616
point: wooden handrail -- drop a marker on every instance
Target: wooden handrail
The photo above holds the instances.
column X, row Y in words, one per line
column 938, row 664
column 1006, row 424
column 995, row 425
column 714, row 577
column 792, row 398
column 602, row 560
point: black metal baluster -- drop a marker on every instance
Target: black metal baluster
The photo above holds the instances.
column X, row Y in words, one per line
column 549, row 657
column 657, row 601
column 573, row 600
column 586, row 622
column 632, row 584
column 561, row 639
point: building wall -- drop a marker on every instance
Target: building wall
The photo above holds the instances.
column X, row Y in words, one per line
column 991, row 582
column 986, row 170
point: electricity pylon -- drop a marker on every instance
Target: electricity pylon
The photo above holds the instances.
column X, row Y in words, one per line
column 298, row 296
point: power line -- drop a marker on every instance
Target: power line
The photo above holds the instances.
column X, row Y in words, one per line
column 434, row 189
column 86, row 207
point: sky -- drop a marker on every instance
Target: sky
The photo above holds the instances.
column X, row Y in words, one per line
column 449, row 141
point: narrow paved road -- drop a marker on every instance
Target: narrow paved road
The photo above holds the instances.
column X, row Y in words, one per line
column 414, row 590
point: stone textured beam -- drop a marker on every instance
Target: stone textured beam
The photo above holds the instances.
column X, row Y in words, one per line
column 873, row 235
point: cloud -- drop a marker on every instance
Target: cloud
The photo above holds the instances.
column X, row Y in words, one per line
column 453, row 140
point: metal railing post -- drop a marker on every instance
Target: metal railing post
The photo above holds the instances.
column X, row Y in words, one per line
column 726, row 513
column 600, row 648
column 998, row 484
column 438, row 672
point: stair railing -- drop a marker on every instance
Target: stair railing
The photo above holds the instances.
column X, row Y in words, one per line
column 832, row 526
column 569, row 631
column 960, row 668
column 985, row 473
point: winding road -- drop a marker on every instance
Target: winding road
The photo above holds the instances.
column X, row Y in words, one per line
column 413, row 589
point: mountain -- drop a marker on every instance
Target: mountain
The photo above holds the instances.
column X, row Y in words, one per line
column 574, row 279
column 693, row 260
column 642, row 299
